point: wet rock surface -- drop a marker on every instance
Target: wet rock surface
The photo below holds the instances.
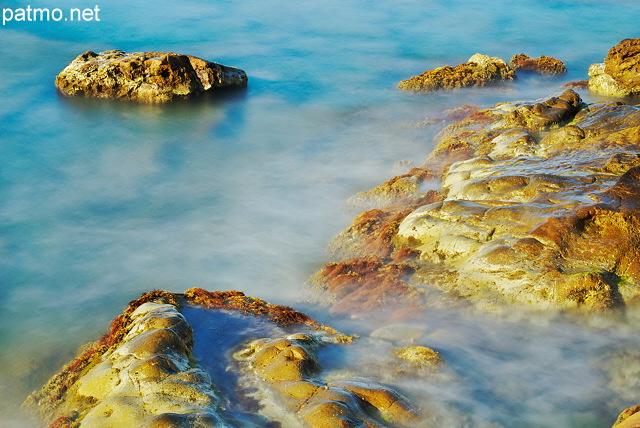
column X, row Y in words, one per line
column 149, row 77
column 144, row 371
column 288, row 369
column 479, row 70
column 536, row 203
column 619, row 74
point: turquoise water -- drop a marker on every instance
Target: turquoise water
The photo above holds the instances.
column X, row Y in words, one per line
column 101, row 201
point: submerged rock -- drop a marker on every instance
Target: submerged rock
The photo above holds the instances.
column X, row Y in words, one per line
column 538, row 203
column 419, row 356
column 287, row 368
column 479, row 70
column 150, row 77
column 619, row 75
column 542, row 65
column 143, row 372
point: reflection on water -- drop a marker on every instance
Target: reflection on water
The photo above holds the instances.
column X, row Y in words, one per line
column 102, row 201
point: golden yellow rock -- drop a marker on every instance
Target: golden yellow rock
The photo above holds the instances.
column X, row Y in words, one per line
column 419, row 356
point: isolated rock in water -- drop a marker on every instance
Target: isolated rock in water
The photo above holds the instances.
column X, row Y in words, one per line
column 480, row 70
column 619, row 75
column 536, row 203
column 542, row 65
column 150, row 77
column 144, row 371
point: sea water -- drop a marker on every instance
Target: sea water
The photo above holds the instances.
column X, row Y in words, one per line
column 101, row 201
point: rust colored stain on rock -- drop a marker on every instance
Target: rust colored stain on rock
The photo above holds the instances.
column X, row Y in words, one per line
column 533, row 203
column 542, row 65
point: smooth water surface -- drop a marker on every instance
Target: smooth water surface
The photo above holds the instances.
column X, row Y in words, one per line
column 101, row 201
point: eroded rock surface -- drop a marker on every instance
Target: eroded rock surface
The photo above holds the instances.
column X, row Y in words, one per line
column 288, row 369
column 619, row 75
column 150, row 77
column 143, row 372
column 479, row 70
column 536, row 203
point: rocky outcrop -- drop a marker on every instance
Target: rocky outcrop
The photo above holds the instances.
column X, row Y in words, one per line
column 150, row 77
column 619, row 75
column 479, row 70
column 143, row 372
column 629, row 418
column 543, row 64
column 288, row 369
column 532, row 203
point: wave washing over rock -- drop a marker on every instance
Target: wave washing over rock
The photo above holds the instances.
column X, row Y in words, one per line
column 150, row 77
column 532, row 203
column 143, row 372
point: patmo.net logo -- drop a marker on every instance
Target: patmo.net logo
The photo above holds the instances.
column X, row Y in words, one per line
column 37, row 14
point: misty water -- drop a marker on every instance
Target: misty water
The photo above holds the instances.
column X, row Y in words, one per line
column 102, row 201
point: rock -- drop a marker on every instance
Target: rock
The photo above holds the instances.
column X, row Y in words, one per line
column 400, row 190
column 479, row 70
column 629, row 418
column 619, row 75
column 288, row 368
column 150, row 77
column 419, row 356
column 460, row 113
column 623, row 64
column 399, row 332
column 542, row 65
column 145, row 376
column 143, row 372
column 538, row 205
column 604, row 84
column 577, row 84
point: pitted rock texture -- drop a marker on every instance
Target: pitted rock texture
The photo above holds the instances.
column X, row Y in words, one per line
column 288, row 368
column 150, row 77
column 619, row 75
column 538, row 204
column 147, row 380
column 479, row 70
column 143, row 374
column 543, row 64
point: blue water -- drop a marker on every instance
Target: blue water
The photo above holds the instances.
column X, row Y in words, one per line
column 101, row 201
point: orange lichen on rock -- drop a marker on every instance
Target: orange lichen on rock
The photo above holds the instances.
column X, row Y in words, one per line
column 284, row 316
column 479, row 70
column 535, row 203
column 64, row 422
column 629, row 418
column 365, row 284
column 543, row 64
